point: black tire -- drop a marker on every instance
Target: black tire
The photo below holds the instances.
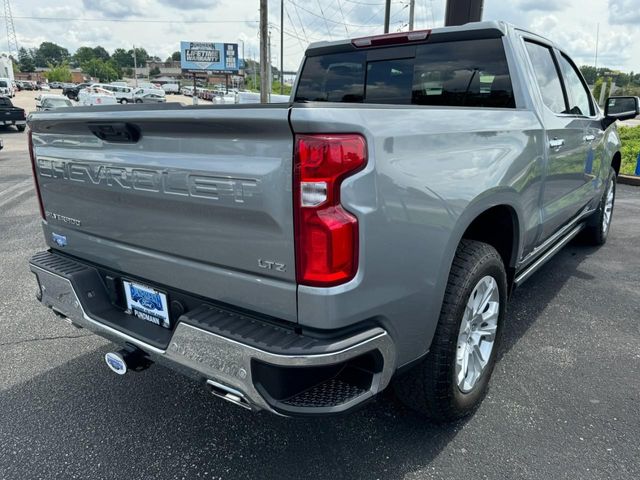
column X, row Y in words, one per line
column 138, row 100
column 595, row 232
column 20, row 128
column 123, row 101
column 430, row 387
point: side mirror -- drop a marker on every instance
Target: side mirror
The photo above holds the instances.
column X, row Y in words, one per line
column 622, row 108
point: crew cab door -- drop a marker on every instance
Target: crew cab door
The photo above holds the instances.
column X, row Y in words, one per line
column 567, row 189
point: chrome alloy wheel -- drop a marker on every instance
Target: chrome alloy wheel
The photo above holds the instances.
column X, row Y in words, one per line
column 477, row 333
column 608, row 207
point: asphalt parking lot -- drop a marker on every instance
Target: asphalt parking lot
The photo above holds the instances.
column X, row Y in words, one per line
column 564, row 401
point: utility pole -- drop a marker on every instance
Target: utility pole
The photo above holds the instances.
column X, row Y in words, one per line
column 264, row 59
column 281, row 47
column 135, row 67
column 387, row 15
column 412, row 12
column 597, row 40
column 270, row 74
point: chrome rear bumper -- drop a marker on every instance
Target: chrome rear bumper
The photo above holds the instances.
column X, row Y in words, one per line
column 226, row 364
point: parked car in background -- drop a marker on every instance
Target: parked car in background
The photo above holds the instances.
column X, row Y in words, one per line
column 55, row 85
column 171, row 88
column 145, row 90
column 11, row 115
column 187, row 91
column 44, row 86
column 72, row 91
column 29, row 85
column 93, row 95
column 119, row 84
column 6, row 87
column 150, row 98
column 52, row 102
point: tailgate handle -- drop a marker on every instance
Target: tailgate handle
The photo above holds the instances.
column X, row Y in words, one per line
column 119, row 132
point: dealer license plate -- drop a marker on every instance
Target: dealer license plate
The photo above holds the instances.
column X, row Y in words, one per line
column 147, row 303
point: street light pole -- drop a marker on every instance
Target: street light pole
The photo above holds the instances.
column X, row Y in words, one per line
column 281, row 47
column 264, row 60
column 412, row 11
column 135, row 67
column 387, row 14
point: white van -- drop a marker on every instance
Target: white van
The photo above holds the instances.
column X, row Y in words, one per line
column 6, row 87
column 171, row 88
column 123, row 94
column 96, row 95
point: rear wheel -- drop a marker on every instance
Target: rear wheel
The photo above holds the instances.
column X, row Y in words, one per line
column 599, row 224
column 123, row 101
column 451, row 381
column 20, row 128
column 138, row 100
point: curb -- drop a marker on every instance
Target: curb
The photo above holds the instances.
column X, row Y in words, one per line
column 629, row 180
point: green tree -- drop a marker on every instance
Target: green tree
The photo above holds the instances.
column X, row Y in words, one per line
column 101, row 53
column 154, row 72
column 141, row 56
column 59, row 73
column 175, row 56
column 25, row 60
column 103, row 71
column 83, row 55
column 49, row 53
column 122, row 58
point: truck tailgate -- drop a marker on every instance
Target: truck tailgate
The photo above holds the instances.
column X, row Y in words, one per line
column 201, row 202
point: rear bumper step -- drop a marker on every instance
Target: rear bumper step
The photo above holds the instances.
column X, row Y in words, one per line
column 251, row 363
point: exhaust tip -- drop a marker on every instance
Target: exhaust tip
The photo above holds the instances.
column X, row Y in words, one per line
column 115, row 361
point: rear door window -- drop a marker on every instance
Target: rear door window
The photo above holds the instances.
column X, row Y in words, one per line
column 579, row 96
column 471, row 73
column 547, row 76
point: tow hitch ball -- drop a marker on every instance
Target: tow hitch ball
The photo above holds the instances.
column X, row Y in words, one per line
column 127, row 359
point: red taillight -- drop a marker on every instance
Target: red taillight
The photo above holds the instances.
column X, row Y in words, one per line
column 391, row 39
column 35, row 173
column 326, row 234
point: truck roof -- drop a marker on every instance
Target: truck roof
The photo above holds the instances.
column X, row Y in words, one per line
column 459, row 32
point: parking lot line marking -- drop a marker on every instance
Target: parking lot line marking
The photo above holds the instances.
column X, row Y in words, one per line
column 15, row 187
column 26, row 186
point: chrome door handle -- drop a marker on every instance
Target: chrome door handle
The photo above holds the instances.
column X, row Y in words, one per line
column 556, row 143
column 589, row 138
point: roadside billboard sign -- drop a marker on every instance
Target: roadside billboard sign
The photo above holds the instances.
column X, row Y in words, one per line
column 201, row 57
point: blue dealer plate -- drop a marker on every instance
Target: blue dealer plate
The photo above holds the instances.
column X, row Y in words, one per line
column 147, row 303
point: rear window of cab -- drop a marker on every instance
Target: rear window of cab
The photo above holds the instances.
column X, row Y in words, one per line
column 465, row 73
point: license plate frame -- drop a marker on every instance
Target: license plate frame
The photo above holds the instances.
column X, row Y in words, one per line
column 147, row 303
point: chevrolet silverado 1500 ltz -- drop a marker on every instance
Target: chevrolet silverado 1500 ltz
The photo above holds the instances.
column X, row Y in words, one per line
column 299, row 257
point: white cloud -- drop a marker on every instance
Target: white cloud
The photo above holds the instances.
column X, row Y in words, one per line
column 565, row 22
column 624, row 12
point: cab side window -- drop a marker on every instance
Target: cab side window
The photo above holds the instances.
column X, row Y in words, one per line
column 547, row 76
column 579, row 98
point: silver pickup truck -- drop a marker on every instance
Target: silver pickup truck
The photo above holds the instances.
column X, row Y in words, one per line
column 298, row 258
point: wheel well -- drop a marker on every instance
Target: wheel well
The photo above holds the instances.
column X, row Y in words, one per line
column 498, row 226
column 616, row 161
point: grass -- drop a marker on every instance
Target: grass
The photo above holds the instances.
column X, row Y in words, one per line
column 630, row 138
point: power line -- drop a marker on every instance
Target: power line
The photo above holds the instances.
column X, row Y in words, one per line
column 325, row 19
column 343, row 18
column 310, row 12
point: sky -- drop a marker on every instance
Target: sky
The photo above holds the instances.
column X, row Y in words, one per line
column 160, row 25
